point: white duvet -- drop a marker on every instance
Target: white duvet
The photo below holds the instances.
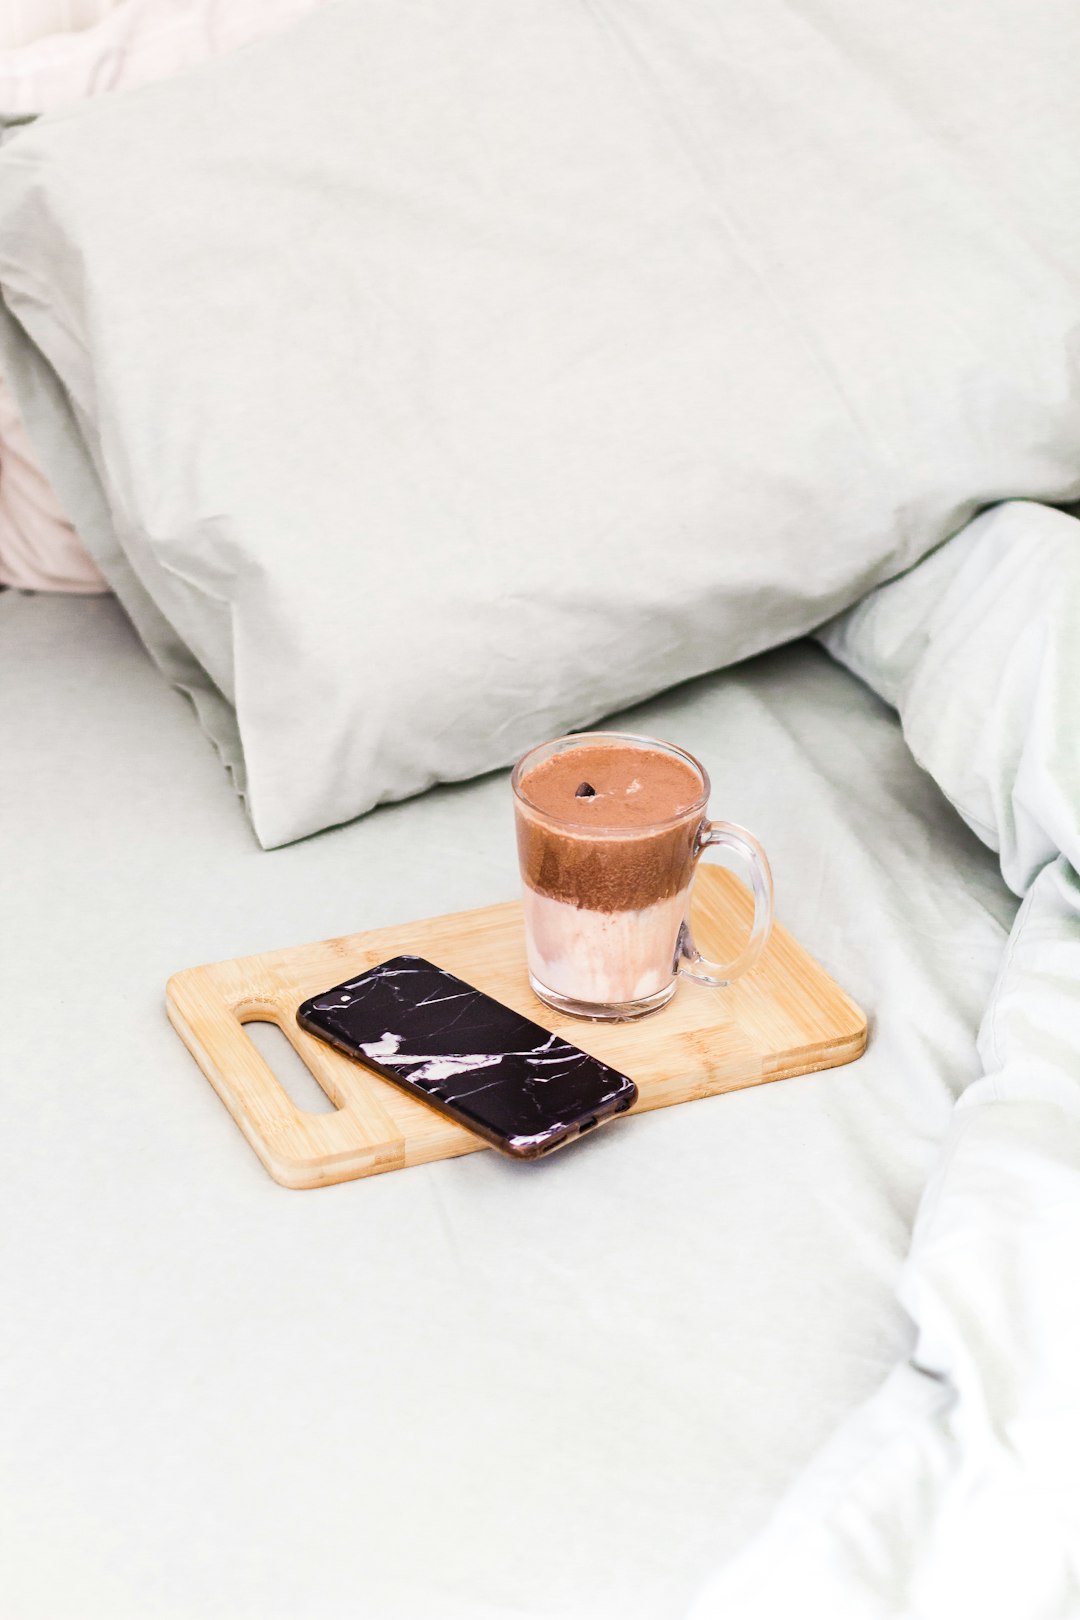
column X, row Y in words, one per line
column 956, row 1491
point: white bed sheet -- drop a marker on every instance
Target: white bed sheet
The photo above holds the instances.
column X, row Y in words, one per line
column 470, row 1389
column 956, row 1489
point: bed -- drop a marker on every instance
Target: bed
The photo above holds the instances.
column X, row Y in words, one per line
column 464, row 1388
column 751, row 420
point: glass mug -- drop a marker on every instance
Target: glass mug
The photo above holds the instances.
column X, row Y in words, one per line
column 607, row 872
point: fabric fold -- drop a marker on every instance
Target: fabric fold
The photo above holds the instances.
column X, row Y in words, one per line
column 956, row 1490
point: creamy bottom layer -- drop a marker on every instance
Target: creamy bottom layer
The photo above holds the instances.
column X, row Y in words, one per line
column 602, row 956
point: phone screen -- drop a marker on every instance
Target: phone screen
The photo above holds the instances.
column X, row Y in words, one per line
column 522, row 1088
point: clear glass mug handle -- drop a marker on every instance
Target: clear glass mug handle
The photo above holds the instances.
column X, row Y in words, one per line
column 688, row 959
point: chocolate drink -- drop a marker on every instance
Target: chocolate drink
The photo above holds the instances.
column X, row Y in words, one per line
column 606, row 837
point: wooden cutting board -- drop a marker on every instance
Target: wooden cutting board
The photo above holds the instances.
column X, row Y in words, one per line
column 788, row 1017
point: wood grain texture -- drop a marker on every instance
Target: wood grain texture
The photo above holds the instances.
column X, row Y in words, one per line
column 788, row 1017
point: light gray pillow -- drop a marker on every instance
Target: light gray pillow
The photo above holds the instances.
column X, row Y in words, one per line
column 434, row 378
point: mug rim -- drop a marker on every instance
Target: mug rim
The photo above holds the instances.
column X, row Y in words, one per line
column 638, row 739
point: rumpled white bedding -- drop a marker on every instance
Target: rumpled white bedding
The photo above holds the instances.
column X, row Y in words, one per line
column 956, row 1490
column 460, row 1392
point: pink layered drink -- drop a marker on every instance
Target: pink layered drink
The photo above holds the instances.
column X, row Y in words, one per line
column 607, row 836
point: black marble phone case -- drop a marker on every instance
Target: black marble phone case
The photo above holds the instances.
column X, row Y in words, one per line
column 523, row 1089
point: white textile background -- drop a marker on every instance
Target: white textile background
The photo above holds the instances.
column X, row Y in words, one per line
column 956, row 1490
column 22, row 21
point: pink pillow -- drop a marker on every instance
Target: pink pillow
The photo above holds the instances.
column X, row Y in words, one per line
column 139, row 41
column 39, row 549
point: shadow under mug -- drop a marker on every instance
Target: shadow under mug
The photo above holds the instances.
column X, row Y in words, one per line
column 607, row 909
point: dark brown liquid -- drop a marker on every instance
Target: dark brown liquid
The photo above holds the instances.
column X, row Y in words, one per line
column 609, row 855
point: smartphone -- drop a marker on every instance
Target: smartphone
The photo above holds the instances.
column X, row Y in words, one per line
column 523, row 1089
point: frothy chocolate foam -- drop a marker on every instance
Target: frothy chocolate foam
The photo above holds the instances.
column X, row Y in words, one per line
column 606, row 854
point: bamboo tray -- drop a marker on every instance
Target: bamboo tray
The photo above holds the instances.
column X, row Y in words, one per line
column 788, row 1017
